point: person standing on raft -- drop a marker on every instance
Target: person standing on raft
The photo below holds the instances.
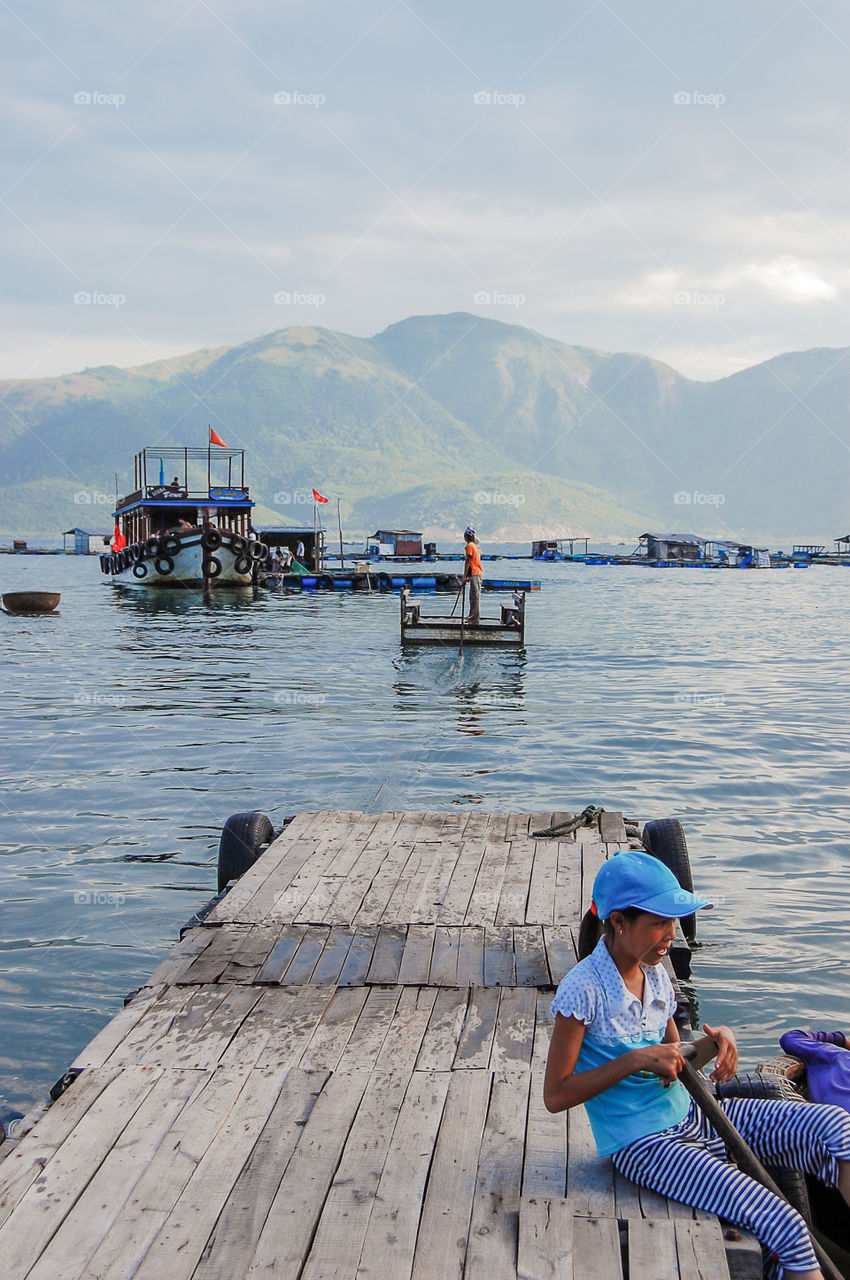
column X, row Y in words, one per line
column 473, row 573
column 615, row 1048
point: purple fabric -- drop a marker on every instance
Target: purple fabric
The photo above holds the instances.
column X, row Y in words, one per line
column 827, row 1062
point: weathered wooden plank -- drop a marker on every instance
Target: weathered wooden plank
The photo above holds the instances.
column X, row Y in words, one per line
column 391, row 1234
column 410, row 882
column 306, row 957
column 470, row 957
column 559, row 941
column 373, row 906
column 281, row 1026
column 626, row 1198
column 700, row 1250
column 499, row 966
column 416, row 961
column 350, row 835
column 514, row 1039
column 512, row 900
column 459, row 891
column 612, row 829
column 530, row 957
column 202, row 1046
column 243, row 1215
column 545, row 1161
column 353, row 891
column 389, row 949
column 596, row 1250
column 280, row 957
column 447, row 1205
column 181, row 956
column 487, row 890
column 440, row 1042
column 546, row 1240
column 359, row 957
column 334, row 955
column 567, row 904
column 517, row 826
column 109, row 1037
column 590, row 1181
column 331, row 1035
column 370, row 1031
column 178, row 1013
column 652, row 1247
column 540, row 904
column 436, row 882
column 251, row 955
column 444, row 958
column 592, row 857
column 280, row 861
column 559, row 818
column 476, row 1040
column 494, row 1227
column 209, row 964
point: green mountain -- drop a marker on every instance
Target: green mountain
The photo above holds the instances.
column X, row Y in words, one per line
column 440, row 420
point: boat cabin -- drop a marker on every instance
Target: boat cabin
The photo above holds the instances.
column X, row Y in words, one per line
column 394, row 542
column 175, row 490
column 311, row 543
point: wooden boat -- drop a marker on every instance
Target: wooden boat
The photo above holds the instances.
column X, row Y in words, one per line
column 192, row 532
column 31, row 601
column 506, row 631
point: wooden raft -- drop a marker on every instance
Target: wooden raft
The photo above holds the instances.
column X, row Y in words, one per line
column 339, row 1075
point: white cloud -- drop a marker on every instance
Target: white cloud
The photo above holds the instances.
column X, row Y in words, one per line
column 792, row 280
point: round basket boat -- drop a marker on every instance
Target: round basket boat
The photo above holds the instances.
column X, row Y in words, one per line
column 30, row 601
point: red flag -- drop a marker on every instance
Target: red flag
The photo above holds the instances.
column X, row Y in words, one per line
column 317, row 497
column 215, row 438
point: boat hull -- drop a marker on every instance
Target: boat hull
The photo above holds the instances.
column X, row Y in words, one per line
column 506, row 632
column 183, row 562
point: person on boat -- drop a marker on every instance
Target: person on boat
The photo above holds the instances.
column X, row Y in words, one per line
column 615, row 1048
column 174, row 487
column 473, row 573
column 827, row 1063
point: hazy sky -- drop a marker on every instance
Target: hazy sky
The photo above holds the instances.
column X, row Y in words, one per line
column 660, row 177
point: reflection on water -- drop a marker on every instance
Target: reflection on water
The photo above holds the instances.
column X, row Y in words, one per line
column 140, row 720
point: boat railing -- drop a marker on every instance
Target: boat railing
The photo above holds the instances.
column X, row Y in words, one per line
column 159, row 493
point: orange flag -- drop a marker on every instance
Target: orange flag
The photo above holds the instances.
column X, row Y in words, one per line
column 215, row 438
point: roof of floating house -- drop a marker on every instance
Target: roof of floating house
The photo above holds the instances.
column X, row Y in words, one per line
column 690, row 538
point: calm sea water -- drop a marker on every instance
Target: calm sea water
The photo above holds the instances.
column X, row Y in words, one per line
column 134, row 725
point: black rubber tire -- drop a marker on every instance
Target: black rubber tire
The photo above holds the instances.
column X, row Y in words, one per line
column 140, row 570
column 211, row 540
column 123, row 560
column 326, row 582
column 169, row 545
column 135, row 552
column 665, row 840
column 164, row 565
column 238, row 544
column 385, row 582
column 243, row 838
column 152, row 546
column 211, row 566
column 242, row 564
column 257, row 550
column 113, row 562
column 751, row 1084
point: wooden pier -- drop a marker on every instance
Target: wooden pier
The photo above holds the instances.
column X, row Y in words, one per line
column 338, row 1074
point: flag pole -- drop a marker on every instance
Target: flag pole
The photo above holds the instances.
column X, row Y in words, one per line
column 339, row 525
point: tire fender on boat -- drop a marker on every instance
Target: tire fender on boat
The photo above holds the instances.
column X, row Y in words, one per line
column 140, row 570
column 244, row 836
column 242, row 564
column 258, row 550
column 164, row 565
column 169, row 545
column 211, row 566
column 664, row 838
column 211, row 540
column 238, row 545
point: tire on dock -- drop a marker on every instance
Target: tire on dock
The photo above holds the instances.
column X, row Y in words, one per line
column 664, row 838
column 244, row 836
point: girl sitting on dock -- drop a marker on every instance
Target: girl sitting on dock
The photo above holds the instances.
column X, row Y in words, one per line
column 615, row 1048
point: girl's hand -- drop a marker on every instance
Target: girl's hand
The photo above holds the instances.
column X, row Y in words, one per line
column 664, row 1060
column 727, row 1052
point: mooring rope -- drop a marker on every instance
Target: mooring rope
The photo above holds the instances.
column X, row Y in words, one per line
column 585, row 819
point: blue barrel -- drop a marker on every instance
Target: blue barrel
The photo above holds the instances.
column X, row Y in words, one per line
column 421, row 583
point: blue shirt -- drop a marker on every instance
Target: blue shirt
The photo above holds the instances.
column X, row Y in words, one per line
column 593, row 992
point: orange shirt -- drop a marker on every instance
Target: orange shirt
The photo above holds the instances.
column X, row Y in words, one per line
column 473, row 559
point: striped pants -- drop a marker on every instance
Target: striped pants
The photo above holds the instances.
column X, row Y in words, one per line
column 688, row 1163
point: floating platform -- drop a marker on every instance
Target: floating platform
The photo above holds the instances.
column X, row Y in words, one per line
column 338, row 1073
column 506, row 631
column 339, row 580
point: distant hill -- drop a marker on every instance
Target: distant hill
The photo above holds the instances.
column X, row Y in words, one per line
column 444, row 419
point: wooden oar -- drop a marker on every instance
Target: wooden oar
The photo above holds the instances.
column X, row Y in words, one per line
column 746, row 1160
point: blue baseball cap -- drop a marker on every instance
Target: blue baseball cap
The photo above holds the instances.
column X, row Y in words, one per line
column 638, row 880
